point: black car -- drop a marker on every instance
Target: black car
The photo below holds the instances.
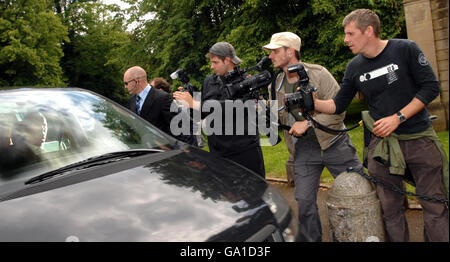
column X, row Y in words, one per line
column 75, row 166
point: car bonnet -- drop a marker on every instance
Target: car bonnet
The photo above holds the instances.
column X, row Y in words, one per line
column 189, row 196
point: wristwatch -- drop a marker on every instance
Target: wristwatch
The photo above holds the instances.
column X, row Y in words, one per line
column 309, row 123
column 401, row 117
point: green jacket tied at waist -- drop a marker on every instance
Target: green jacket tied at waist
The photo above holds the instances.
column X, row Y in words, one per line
column 388, row 151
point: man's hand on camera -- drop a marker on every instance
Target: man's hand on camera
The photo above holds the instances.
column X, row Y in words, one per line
column 185, row 98
column 299, row 128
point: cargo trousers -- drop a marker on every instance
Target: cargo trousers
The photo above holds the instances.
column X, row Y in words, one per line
column 310, row 160
column 425, row 163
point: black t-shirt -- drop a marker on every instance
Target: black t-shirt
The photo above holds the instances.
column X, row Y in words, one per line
column 225, row 145
column 389, row 82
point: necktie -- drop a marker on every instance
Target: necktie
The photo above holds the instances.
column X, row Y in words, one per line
column 138, row 102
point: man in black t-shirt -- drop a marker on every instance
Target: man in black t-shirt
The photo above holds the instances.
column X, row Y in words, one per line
column 397, row 82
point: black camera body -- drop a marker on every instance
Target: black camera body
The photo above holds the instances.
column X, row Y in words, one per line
column 255, row 82
column 184, row 78
column 235, row 76
column 304, row 97
column 238, row 85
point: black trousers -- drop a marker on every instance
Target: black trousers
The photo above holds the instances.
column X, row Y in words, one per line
column 251, row 158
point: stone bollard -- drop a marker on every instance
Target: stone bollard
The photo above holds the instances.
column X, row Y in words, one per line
column 354, row 211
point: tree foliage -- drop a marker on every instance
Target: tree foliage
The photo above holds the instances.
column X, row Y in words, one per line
column 98, row 48
column 182, row 31
column 30, row 44
column 90, row 61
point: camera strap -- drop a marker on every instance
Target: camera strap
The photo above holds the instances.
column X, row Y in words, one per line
column 330, row 130
column 273, row 92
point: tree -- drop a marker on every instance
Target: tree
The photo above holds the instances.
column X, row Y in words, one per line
column 97, row 49
column 91, row 59
column 30, row 44
column 179, row 35
column 182, row 31
column 317, row 22
column 326, row 42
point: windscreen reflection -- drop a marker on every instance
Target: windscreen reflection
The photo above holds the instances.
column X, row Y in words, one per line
column 42, row 130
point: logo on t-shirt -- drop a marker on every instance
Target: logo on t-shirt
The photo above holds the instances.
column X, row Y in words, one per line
column 388, row 71
column 423, row 60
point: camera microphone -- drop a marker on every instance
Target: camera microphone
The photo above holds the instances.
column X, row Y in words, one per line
column 174, row 75
column 180, row 74
column 260, row 65
column 265, row 60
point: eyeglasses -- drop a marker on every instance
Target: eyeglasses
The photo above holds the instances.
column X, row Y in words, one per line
column 135, row 80
column 127, row 82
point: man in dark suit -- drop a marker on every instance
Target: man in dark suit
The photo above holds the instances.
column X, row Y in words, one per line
column 150, row 103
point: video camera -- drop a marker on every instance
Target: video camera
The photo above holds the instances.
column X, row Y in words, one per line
column 187, row 86
column 238, row 85
column 304, row 97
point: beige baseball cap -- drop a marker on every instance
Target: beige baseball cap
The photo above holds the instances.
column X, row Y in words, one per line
column 284, row 39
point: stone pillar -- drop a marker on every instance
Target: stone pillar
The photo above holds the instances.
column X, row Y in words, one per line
column 354, row 211
column 427, row 25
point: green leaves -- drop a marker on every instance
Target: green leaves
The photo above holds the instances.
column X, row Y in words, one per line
column 94, row 58
column 183, row 31
column 30, row 43
column 85, row 43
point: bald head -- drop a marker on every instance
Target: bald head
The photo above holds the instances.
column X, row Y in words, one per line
column 135, row 79
column 136, row 72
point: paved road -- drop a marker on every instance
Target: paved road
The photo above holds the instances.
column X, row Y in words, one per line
column 413, row 216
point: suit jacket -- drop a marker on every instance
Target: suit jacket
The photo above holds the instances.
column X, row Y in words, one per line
column 18, row 155
column 156, row 109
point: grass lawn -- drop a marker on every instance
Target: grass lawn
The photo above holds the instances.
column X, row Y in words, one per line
column 275, row 157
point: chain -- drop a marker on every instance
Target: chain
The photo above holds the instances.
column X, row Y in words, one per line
column 396, row 189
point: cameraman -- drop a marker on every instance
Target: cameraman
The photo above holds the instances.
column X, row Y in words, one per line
column 161, row 84
column 397, row 82
column 244, row 148
column 312, row 149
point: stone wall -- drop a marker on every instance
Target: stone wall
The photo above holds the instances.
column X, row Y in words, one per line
column 439, row 14
column 427, row 25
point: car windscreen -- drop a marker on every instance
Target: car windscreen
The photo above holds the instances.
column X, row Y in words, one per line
column 42, row 130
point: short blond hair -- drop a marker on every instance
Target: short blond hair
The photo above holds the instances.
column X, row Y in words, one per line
column 363, row 18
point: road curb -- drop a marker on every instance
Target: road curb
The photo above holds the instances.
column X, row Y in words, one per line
column 412, row 203
column 284, row 181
